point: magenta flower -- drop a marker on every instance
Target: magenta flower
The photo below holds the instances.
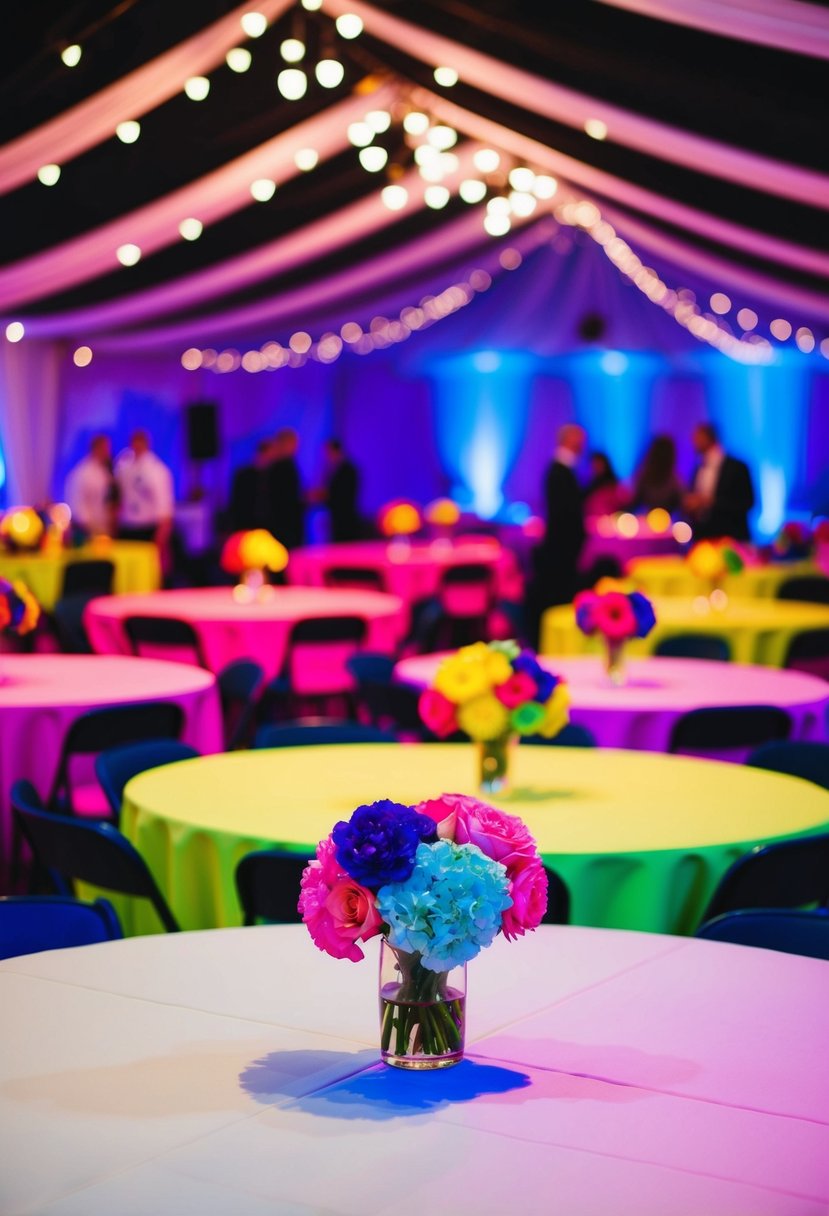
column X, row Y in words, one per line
column 528, row 889
column 438, row 712
column 520, row 687
column 337, row 910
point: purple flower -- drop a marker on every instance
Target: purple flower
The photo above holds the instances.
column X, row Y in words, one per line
column 378, row 843
column 644, row 613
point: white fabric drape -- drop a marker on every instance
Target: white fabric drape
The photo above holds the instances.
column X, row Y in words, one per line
column 29, row 417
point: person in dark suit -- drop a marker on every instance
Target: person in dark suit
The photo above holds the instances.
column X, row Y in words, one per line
column 341, row 493
column 248, row 506
column 555, row 561
column 722, row 492
column 286, row 504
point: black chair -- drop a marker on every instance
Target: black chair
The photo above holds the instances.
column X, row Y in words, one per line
column 724, row 729
column 240, row 683
column 466, row 595
column 558, row 900
column 100, row 729
column 303, row 733
column 811, row 588
column 693, row 646
column 118, row 765
column 68, row 623
column 71, row 850
column 267, row 883
column 153, row 635
column 31, row 923
column 785, row 874
column 88, row 578
column 361, row 577
column 314, row 672
column 797, row 758
column 372, row 674
column 792, row 931
column 572, row 735
column 809, row 651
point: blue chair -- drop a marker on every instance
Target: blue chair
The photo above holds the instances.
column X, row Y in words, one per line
column 240, row 684
column 117, row 765
column 69, row 850
column 267, row 883
column 785, row 874
column 31, row 923
column 790, row 930
column 319, row 730
column 797, row 758
column 572, row 735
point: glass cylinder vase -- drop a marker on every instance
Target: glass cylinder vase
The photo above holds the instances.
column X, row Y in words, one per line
column 422, row 1012
column 493, row 763
column 614, row 662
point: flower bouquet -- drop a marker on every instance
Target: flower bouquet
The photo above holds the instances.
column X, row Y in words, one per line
column 494, row 691
column 617, row 615
column 713, row 560
column 249, row 554
column 438, row 881
column 23, row 529
column 19, row 610
column 794, row 542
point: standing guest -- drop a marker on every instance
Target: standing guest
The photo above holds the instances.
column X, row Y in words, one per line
column 147, row 500
column 722, row 492
column 657, row 483
column 286, row 507
column 341, row 493
column 604, row 492
column 555, row 561
column 248, row 506
column 91, row 490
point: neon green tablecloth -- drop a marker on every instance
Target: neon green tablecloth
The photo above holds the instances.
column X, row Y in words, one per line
column 137, row 568
column 640, row 839
column 671, row 576
column 758, row 631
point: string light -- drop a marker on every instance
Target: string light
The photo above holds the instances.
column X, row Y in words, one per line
column 329, row 73
column 373, row 159
column 15, row 331
column 378, row 120
column 472, row 190
column 71, row 55
column 446, row 77
column 436, row 197
column 312, row 6
column 129, row 131
column 359, row 134
column 292, row 50
column 486, row 160
column 747, row 318
column 416, row 123
column 595, row 128
column 48, row 175
column 781, row 329
column 197, row 87
column 292, row 83
column 254, row 24
column 349, row 26
column 306, row 159
column 128, row 254
column 720, row 303
column 395, row 197
column 82, row 356
column 191, row 229
column 238, row 59
column 263, row 189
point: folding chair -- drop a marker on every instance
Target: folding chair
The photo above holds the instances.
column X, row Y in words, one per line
column 31, row 923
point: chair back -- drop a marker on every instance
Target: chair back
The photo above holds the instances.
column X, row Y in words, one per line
column 240, row 684
column 558, row 900
column 67, row 618
column 31, row 923
column 318, row 651
column 267, row 883
column 88, row 578
column 798, row 758
column 74, row 850
column 372, row 674
column 728, row 732
column 319, row 730
column 363, row 578
column 572, row 735
column 784, row 874
column 118, row 765
column 693, row 646
column 809, row 651
column 467, row 591
column 792, row 931
column 157, row 637
column 810, row 588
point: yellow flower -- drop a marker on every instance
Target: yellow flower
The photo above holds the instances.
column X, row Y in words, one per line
column 483, row 717
column 706, row 560
column 31, row 610
column 604, row 585
column 557, row 715
column 460, row 677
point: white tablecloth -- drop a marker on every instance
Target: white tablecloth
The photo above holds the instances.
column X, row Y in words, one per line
column 235, row 1072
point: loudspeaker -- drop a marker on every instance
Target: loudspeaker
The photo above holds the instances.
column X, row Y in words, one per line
column 202, row 430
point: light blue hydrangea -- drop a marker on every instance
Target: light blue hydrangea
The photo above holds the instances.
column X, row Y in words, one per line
column 450, row 907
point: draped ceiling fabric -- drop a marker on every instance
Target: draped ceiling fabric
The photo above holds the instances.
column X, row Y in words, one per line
column 714, row 170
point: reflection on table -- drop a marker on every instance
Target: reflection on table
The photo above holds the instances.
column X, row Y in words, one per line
column 640, row 839
column 643, row 712
column 137, row 568
column 757, row 631
column 236, row 1071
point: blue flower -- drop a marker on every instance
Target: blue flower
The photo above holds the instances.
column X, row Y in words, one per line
column 449, row 908
column 644, row 613
column 545, row 682
column 377, row 845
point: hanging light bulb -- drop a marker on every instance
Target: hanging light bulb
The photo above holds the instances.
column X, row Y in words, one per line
column 486, row 160
column 48, row 175
column 71, row 55
column 14, row 331
column 544, row 186
column 395, row 197
column 129, row 131
column 329, row 73
column 292, row 83
column 416, row 123
column 374, row 158
column 378, row 120
column 442, row 137
column 197, row 87
column 472, row 190
column 522, row 203
column 191, row 229
column 521, row 178
column 254, row 24
column 312, row 6
column 128, row 254
column 238, row 59
column 359, row 134
column 263, row 189
column 436, row 197
column 306, row 159
column 349, row 26
column 446, row 77
column 82, row 356
column 497, row 225
column 292, row 50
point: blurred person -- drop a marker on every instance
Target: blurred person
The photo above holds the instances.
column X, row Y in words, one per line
column 91, row 490
column 722, row 492
column 341, row 492
column 248, row 505
column 555, row 561
column 604, row 492
column 285, row 502
column 147, row 497
column 657, row 483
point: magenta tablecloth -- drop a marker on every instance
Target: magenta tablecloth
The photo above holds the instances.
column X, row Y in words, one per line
column 642, row 713
column 42, row 695
column 257, row 629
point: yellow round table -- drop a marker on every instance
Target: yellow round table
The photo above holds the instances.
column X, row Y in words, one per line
column 640, row 839
column 757, row 631
column 671, row 576
column 137, row 568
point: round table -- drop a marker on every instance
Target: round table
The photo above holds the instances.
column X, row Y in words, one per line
column 137, row 568
column 640, row 839
column 604, row 540
column 237, row 1071
column 758, row 631
column 409, row 569
column 671, row 576
column 42, row 695
column 233, row 628
column 642, row 714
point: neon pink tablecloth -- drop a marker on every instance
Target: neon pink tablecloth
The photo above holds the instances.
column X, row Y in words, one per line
column 603, row 540
column 256, row 629
column 42, row 695
column 236, row 1071
column 410, row 569
column 642, row 713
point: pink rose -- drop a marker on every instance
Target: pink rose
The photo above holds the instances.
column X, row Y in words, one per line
column 528, row 888
column 438, row 712
column 337, row 910
column 502, row 837
column 615, row 617
column 516, row 690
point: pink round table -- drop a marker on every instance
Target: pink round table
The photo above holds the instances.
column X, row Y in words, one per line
column 410, row 569
column 642, row 713
column 230, row 628
column 42, row 695
column 603, row 540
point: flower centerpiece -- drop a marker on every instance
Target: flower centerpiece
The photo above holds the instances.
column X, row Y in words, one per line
column 442, row 515
column 713, row 560
column 19, row 610
column 437, row 882
column 399, row 520
column 794, row 542
column 250, row 554
column 23, row 530
column 617, row 615
column 494, row 691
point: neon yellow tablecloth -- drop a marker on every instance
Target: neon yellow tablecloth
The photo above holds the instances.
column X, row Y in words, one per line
column 640, row 839
column 758, row 631
column 671, row 576
column 137, row 568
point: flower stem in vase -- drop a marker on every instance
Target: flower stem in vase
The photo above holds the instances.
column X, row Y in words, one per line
column 615, row 662
column 493, row 764
column 422, row 1012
